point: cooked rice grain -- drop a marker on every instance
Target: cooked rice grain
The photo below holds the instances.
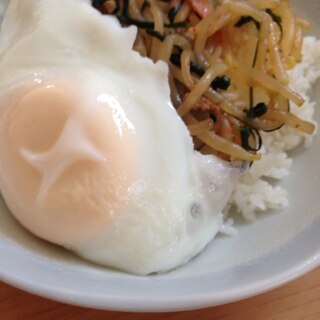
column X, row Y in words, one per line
column 256, row 190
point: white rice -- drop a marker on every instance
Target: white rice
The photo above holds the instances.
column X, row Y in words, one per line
column 257, row 190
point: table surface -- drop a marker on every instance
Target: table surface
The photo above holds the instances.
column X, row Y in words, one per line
column 298, row 300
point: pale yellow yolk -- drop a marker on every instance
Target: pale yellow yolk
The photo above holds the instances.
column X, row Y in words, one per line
column 69, row 161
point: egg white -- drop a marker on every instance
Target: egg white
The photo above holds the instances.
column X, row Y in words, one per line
column 168, row 201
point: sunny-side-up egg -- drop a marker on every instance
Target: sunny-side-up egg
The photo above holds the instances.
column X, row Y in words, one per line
column 93, row 155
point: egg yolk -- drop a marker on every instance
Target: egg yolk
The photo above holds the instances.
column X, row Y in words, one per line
column 68, row 161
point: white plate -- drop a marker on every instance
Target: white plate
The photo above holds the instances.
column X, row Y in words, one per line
column 277, row 248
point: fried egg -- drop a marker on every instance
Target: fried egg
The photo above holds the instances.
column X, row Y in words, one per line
column 93, row 155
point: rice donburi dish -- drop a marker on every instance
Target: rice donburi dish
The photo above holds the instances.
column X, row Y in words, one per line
column 132, row 129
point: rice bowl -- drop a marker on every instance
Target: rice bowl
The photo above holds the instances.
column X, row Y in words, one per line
column 273, row 250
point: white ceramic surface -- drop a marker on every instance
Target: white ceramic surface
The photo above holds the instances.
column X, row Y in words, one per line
column 275, row 249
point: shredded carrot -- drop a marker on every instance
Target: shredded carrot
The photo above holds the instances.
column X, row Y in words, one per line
column 201, row 7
